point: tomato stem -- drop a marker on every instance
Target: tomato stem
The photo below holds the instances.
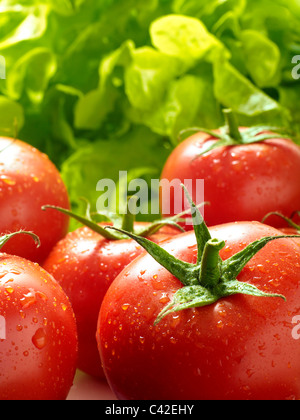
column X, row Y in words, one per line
column 232, row 126
column 210, row 272
column 289, row 221
column 129, row 217
column 5, row 238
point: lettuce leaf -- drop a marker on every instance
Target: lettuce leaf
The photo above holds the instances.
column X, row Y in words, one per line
column 101, row 86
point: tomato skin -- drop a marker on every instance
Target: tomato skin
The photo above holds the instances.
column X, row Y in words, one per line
column 291, row 231
column 241, row 183
column 241, row 347
column 39, row 352
column 85, row 264
column 28, row 180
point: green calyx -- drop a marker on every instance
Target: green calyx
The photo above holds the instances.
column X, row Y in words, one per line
column 211, row 278
column 231, row 135
column 124, row 224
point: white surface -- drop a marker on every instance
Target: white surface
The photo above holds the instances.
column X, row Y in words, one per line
column 88, row 388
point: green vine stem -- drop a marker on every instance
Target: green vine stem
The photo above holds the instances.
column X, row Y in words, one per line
column 125, row 223
column 5, row 238
column 232, row 126
column 288, row 220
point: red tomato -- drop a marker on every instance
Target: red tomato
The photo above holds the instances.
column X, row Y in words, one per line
column 38, row 337
column 28, row 180
column 239, row 347
column 291, row 231
column 242, row 182
column 85, row 264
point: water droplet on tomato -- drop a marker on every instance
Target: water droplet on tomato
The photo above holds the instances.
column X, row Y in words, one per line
column 40, row 339
column 7, row 180
column 15, row 271
column 164, row 298
column 22, row 314
column 28, row 300
column 64, row 307
column 31, row 297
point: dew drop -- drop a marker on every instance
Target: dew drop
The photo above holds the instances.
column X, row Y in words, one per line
column 28, row 299
column 40, row 339
column 31, row 297
column 164, row 298
column 22, row 314
column 64, row 307
column 7, row 180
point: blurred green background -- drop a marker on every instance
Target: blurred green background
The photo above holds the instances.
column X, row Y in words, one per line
column 107, row 85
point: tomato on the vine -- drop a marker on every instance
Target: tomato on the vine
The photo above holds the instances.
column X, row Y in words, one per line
column 211, row 318
column 85, row 263
column 247, row 173
column 28, row 180
column 38, row 335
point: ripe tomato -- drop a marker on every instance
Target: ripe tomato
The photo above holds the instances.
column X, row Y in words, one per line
column 85, row 264
column 234, row 347
column 38, row 337
column 244, row 179
column 28, row 180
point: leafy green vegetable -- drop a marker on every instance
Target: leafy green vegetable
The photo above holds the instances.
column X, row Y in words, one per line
column 104, row 86
column 31, row 72
column 11, row 117
column 102, row 159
